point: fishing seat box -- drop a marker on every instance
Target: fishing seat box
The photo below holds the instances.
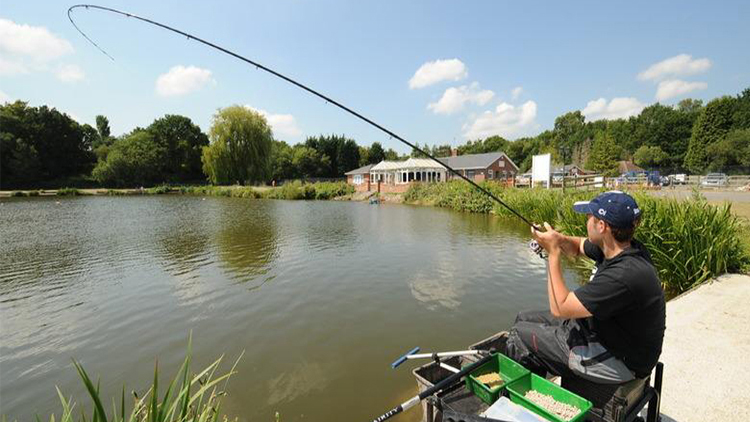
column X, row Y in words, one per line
column 429, row 374
column 612, row 402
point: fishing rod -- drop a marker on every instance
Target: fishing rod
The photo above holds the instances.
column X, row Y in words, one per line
column 257, row 65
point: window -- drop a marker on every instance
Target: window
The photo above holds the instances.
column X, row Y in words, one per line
column 489, row 174
column 470, row 174
column 358, row 180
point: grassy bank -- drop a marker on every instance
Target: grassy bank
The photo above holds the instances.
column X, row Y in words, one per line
column 691, row 241
column 292, row 190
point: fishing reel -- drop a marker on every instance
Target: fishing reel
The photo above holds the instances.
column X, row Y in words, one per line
column 538, row 249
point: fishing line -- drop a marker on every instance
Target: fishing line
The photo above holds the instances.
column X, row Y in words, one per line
column 293, row 82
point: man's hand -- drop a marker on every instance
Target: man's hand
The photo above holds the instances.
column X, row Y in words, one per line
column 549, row 239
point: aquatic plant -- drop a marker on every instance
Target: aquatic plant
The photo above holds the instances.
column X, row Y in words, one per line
column 187, row 398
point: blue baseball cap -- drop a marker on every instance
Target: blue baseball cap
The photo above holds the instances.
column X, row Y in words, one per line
column 618, row 209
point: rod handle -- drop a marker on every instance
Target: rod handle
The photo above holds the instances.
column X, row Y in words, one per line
column 403, row 358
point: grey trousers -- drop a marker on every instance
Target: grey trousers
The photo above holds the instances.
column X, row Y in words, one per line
column 564, row 347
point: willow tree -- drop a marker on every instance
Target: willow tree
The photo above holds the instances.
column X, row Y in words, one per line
column 240, row 148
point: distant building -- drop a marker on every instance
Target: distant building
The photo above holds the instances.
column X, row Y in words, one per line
column 397, row 176
column 360, row 177
column 571, row 170
column 627, row 166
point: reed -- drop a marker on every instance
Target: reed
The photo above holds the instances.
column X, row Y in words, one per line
column 690, row 241
column 187, row 398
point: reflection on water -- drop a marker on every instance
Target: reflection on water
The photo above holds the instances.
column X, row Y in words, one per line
column 247, row 240
column 119, row 282
column 296, row 382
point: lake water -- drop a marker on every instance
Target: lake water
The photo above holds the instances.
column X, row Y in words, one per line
column 321, row 297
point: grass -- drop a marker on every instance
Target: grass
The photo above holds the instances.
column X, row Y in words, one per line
column 68, row 192
column 690, row 241
column 291, row 190
column 187, row 398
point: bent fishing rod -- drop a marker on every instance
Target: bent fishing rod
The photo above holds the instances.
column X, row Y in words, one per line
column 257, row 65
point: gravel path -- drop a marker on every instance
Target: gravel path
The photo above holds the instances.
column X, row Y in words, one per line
column 706, row 353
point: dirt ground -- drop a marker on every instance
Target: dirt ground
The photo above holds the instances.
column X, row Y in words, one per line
column 740, row 199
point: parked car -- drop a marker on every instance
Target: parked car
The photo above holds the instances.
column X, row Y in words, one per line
column 678, row 179
column 715, row 180
column 523, row 179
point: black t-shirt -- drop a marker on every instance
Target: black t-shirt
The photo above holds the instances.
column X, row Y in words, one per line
column 626, row 300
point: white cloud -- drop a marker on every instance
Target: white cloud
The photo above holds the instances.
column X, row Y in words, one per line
column 516, row 92
column 676, row 87
column 12, row 67
column 437, row 71
column 506, row 120
column 181, row 80
column 4, row 98
column 683, row 64
column 617, row 108
column 70, row 73
column 34, row 42
column 281, row 124
column 454, row 99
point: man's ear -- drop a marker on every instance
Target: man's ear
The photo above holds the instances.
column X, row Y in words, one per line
column 602, row 226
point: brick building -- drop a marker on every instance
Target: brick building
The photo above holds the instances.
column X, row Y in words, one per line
column 397, row 176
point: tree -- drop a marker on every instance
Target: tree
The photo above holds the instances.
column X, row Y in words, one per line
column 134, row 160
column 183, row 142
column 240, row 148
column 348, row 157
column 376, row 153
column 664, row 127
column 712, row 125
column 604, row 155
column 733, row 150
column 647, row 156
column 308, row 162
column 690, row 105
column 569, row 133
column 281, row 161
column 102, row 128
column 40, row 145
column 741, row 116
column 391, row 155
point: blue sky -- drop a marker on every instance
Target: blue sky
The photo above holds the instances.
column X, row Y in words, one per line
column 434, row 72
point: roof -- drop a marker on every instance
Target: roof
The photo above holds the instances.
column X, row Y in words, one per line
column 568, row 167
column 461, row 162
column 475, row 161
column 411, row 163
column 361, row 170
column 626, row 166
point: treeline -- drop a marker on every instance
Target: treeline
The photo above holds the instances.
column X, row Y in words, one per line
column 690, row 137
column 42, row 147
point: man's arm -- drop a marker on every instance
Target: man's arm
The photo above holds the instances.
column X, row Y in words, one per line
column 562, row 302
column 572, row 246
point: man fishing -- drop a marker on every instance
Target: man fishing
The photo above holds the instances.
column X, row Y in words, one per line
column 611, row 329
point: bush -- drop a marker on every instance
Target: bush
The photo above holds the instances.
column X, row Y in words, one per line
column 68, row 192
column 159, row 190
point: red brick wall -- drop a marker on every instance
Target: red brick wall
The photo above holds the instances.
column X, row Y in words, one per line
column 361, row 187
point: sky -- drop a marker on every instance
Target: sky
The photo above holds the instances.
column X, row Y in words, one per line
column 434, row 72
